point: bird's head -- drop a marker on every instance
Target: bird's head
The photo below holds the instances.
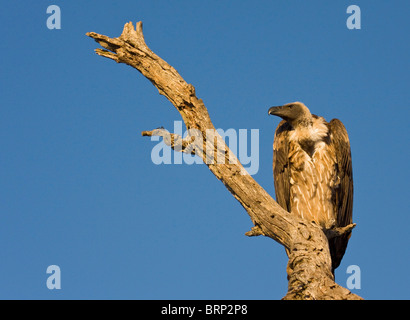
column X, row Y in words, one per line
column 296, row 113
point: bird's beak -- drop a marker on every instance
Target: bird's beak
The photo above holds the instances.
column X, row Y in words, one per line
column 275, row 111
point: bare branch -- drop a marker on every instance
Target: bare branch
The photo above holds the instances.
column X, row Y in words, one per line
column 337, row 232
column 254, row 232
column 173, row 140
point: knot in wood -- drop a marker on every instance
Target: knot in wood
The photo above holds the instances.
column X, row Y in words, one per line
column 304, row 232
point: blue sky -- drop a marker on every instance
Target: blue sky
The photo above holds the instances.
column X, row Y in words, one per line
column 78, row 188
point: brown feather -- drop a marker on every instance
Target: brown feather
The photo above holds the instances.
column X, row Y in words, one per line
column 281, row 165
column 343, row 197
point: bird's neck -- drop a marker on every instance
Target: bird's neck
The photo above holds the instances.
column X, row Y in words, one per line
column 309, row 133
column 305, row 122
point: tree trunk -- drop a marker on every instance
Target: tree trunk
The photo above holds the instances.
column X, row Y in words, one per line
column 309, row 266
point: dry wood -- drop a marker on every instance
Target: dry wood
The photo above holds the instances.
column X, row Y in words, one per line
column 309, row 266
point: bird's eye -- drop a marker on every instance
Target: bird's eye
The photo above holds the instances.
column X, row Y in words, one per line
column 291, row 106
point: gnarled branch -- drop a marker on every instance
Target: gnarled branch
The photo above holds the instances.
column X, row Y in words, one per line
column 337, row 232
column 173, row 140
column 309, row 267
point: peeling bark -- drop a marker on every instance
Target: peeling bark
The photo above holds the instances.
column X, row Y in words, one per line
column 309, row 267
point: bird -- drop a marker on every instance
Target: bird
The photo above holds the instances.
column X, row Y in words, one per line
column 312, row 169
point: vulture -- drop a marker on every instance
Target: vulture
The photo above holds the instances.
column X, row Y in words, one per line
column 312, row 169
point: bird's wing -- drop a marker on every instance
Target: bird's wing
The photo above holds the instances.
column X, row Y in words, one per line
column 343, row 200
column 281, row 165
column 344, row 193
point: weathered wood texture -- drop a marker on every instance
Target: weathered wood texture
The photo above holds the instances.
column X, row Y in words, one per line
column 309, row 266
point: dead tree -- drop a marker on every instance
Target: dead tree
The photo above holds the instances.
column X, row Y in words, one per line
column 309, row 267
